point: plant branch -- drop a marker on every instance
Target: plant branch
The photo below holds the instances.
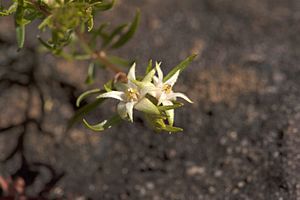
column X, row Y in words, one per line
column 101, row 56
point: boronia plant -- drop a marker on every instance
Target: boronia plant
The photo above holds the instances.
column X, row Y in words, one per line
column 67, row 29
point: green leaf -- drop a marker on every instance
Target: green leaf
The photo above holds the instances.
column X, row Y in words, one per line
column 149, row 67
column 86, row 94
column 10, row 10
column 102, row 6
column 83, row 111
column 90, row 23
column 181, row 66
column 45, row 44
column 104, row 124
column 91, row 74
column 20, row 31
column 115, row 32
column 119, row 61
column 129, row 34
column 108, row 86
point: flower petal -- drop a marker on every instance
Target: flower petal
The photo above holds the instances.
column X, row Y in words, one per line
column 121, row 108
column 112, row 94
column 171, row 81
column 156, row 81
column 131, row 73
column 181, row 95
column 129, row 109
column 162, row 98
column 159, row 71
column 170, row 112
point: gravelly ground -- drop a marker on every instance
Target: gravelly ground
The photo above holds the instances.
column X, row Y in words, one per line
column 241, row 138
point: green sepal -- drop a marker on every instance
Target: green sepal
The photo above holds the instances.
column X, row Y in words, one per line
column 146, row 106
column 174, row 106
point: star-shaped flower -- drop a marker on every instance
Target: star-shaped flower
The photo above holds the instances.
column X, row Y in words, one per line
column 132, row 95
column 164, row 91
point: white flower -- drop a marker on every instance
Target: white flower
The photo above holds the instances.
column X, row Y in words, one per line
column 132, row 95
column 164, row 91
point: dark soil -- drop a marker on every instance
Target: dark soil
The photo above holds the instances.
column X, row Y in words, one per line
column 241, row 137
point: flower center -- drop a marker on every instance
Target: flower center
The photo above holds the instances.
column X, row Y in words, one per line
column 167, row 88
column 132, row 94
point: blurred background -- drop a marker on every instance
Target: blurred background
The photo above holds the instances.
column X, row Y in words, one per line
column 241, row 137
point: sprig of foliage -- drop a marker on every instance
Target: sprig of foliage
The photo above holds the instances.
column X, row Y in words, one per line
column 67, row 29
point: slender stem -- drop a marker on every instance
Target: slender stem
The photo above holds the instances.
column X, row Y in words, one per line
column 101, row 56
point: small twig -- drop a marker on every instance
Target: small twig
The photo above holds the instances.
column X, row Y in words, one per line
column 101, row 56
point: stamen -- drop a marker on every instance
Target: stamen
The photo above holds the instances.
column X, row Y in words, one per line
column 167, row 88
column 132, row 94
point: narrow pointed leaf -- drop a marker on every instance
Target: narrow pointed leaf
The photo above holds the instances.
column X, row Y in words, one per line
column 91, row 74
column 20, row 31
column 108, row 86
column 120, row 61
column 104, row 124
column 102, row 6
column 129, row 34
column 83, row 111
column 149, row 67
column 181, row 66
column 114, row 33
column 86, row 94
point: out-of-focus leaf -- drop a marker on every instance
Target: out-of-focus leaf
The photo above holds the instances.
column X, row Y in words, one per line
column 108, row 86
column 181, row 66
column 90, row 23
column 45, row 44
column 91, row 74
column 20, row 31
column 113, row 34
column 102, row 6
column 83, row 111
column 129, row 34
column 104, row 124
column 10, row 10
column 45, row 22
column 119, row 61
